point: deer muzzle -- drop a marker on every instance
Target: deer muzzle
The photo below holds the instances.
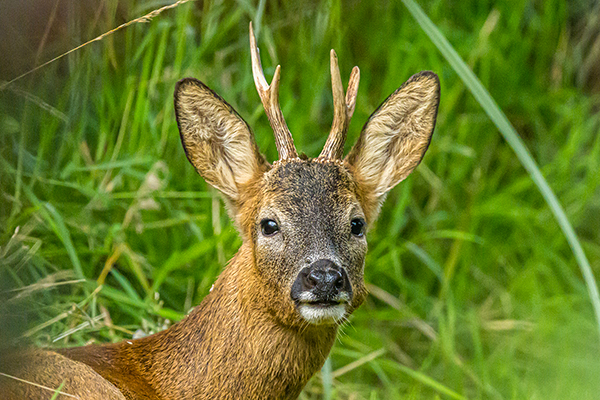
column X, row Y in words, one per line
column 322, row 292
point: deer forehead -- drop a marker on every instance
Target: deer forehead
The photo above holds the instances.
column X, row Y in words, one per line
column 308, row 185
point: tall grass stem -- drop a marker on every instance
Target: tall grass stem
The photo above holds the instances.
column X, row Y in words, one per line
column 509, row 133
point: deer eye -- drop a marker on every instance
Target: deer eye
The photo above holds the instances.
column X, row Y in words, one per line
column 357, row 227
column 269, row 227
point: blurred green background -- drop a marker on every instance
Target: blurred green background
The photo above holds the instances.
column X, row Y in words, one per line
column 475, row 292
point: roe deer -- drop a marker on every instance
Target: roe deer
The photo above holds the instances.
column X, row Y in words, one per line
column 272, row 316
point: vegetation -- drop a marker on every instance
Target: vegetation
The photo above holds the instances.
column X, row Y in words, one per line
column 105, row 228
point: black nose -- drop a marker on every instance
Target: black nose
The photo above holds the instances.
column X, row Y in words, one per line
column 324, row 279
column 327, row 278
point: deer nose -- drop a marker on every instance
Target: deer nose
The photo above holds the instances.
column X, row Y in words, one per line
column 323, row 279
column 326, row 279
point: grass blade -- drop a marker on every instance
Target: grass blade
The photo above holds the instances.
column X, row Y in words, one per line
column 58, row 226
column 428, row 381
column 327, row 379
column 509, row 133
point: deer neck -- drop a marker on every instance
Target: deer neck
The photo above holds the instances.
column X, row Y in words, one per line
column 233, row 347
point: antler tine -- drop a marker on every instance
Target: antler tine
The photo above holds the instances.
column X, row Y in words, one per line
column 343, row 108
column 269, row 96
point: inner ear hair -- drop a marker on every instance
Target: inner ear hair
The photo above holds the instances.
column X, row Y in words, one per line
column 394, row 139
column 216, row 140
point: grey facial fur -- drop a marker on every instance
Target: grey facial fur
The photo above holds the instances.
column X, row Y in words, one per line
column 313, row 204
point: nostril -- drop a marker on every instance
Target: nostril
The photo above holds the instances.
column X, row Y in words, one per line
column 334, row 279
column 339, row 282
column 313, row 278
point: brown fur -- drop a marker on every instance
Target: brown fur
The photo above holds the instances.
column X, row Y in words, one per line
column 229, row 347
column 247, row 339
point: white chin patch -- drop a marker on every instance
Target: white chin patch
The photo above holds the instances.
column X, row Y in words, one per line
column 318, row 315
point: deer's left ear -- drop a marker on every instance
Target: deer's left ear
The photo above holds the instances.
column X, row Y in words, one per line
column 395, row 138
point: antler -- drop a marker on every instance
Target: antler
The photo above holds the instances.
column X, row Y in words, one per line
column 343, row 108
column 269, row 96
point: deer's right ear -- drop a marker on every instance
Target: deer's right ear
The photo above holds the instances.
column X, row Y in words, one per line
column 217, row 141
column 395, row 138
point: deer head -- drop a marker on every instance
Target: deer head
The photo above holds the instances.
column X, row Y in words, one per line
column 305, row 220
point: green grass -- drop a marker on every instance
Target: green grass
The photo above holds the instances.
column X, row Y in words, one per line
column 475, row 291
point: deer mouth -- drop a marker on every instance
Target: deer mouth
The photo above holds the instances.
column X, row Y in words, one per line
column 322, row 303
column 319, row 311
column 322, row 313
column 310, row 298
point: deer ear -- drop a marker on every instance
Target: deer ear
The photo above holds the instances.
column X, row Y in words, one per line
column 395, row 138
column 217, row 141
